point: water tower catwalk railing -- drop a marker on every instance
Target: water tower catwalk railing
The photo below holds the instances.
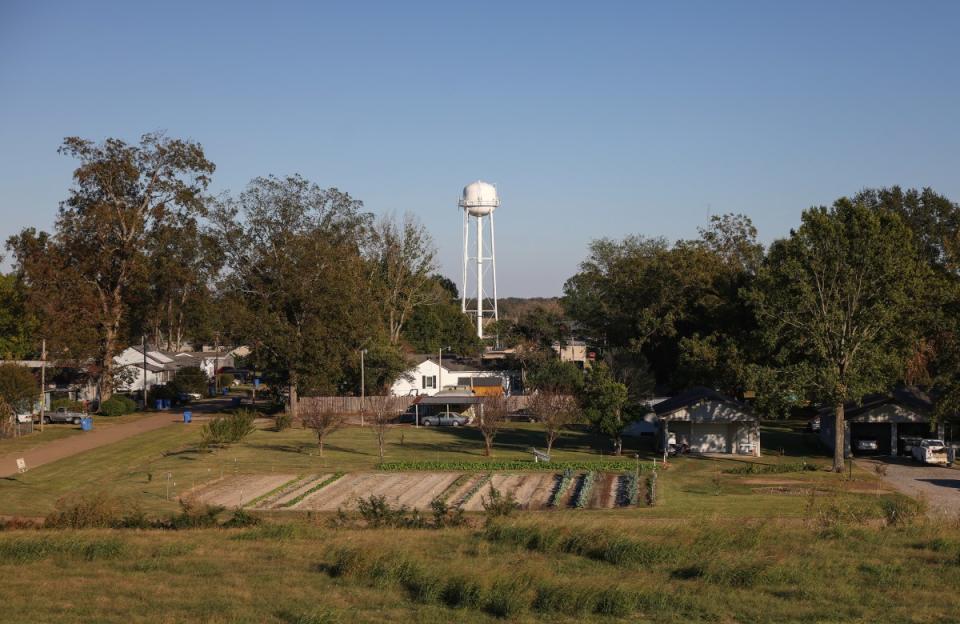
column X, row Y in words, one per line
column 479, row 202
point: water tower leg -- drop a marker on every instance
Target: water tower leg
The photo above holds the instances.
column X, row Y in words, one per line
column 480, row 277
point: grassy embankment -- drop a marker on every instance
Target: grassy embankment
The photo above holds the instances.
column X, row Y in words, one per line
column 719, row 546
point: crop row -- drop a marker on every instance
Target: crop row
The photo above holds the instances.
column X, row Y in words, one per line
column 562, row 487
column 613, row 465
column 319, row 486
column 583, row 494
column 482, row 481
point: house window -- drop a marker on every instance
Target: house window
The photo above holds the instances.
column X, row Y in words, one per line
column 429, row 382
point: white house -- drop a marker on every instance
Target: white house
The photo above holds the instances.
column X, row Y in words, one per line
column 708, row 422
column 427, row 377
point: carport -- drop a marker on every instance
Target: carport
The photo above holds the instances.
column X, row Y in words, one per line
column 428, row 405
column 887, row 418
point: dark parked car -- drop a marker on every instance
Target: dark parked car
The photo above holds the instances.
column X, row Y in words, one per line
column 451, row 419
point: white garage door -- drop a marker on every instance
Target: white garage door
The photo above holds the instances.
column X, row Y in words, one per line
column 709, row 438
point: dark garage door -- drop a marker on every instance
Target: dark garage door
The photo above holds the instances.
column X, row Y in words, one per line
column 876, row 431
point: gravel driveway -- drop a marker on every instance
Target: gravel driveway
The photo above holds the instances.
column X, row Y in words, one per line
column 939, row 485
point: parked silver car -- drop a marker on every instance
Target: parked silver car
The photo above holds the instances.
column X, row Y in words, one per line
column 448, row 419
column 61, row 415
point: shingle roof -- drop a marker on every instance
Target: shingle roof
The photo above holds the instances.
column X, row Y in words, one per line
column 911, row 397
column 692, row 397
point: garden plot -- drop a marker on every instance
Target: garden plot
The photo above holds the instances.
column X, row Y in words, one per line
column 532, row 490
column 413, row 489
column 238, row 490
column 290, row 493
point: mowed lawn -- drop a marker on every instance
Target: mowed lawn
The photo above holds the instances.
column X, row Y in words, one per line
column 51, row 433
column 152, row 469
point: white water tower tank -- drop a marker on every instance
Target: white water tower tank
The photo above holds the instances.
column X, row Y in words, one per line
column 479, row 198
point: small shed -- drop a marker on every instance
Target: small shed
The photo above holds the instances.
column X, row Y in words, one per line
column 893, row 420
column 708, row 422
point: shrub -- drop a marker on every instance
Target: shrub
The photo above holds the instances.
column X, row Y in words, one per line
column 902, row 511
column 566, row 599
column 118, row 405
column 422, row 586
column 506, row 598
column 445, row 515
column 282, row 421
column 462, row 592
column 242, row 518
column 85, row 512
column 193, row 516
column 377, row 512
column 346, row 562
column 190, row 379
column 499, row 505
column 225, row 379
column 229, row 429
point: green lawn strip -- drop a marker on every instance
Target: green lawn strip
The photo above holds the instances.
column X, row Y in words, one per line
column 276, row 490
column 319, row 486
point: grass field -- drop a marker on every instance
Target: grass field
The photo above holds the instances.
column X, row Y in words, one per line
column 719, row 546
column 562, row 567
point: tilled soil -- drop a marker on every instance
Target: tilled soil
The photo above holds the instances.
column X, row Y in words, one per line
column 604, row 494
column 238, row 490
column 413, row 489
column 302, row 486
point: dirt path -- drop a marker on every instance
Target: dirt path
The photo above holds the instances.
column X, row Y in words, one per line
column 940, row 486
column 66, row 447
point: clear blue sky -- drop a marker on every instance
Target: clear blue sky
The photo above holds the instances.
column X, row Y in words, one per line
column 594, row 119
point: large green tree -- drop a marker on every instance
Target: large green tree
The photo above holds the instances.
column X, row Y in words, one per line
column 18, row 387
column 838, row 302
column 602, row 400
column 441, row 323
column 82, row 277
column 18, row 324
column 300, row 285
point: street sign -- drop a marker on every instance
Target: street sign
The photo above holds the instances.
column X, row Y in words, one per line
column 21, row 465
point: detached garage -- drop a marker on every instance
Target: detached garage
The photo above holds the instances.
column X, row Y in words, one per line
column 709, row 422
column 883, row 424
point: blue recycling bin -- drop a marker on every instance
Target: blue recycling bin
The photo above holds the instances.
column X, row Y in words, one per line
column 187, row 416
column 166, row 404
column 158, row 404
column 86, row 424
column 225, row 390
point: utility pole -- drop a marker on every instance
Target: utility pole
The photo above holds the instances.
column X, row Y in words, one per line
column 363, row 385
column 216, row 364
column 143, row 347
column 43, row 381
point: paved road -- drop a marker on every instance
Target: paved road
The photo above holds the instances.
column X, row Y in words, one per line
column 938, row 485
column 65, row 447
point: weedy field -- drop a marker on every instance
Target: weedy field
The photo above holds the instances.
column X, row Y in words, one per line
column 839, row 564
column 718, row 539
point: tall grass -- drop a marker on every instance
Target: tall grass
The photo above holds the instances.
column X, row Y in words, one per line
column 24, row 550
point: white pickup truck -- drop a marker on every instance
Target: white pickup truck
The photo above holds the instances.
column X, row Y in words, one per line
column 934, row 452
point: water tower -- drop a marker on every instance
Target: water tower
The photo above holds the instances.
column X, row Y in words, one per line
column 478, row 203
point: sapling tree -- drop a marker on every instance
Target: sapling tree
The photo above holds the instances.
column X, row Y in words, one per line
column 383, row 409
column 321, row 419
column 493, row 414
column 603, row 399
column 555, row 411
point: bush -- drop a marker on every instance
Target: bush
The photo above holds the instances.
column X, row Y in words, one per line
column 445, row 515
column 86, row 512
column 118, row 405
column 462, row 592
column 499, row 505
column 506, row 598
column 225, row 380
column 190, row 379
column 282, row 421
column 902, row 511
column 230, row 429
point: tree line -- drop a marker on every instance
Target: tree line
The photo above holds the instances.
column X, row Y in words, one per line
column 302, row 274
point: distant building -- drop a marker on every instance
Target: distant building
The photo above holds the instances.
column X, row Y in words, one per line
column 708, row 422
column 161, row 366
column 427, row 377
column 575, row 351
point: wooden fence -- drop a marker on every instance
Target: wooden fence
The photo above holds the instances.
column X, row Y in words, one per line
column 351, row 404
